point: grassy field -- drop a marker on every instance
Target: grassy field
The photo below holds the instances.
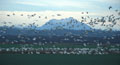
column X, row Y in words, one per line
column 50, row 59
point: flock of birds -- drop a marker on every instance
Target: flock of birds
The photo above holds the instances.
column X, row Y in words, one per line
column 33, row 15
column 92, row 22
column 26, row 49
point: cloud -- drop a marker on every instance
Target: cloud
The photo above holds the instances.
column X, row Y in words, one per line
column 109, row 1
column 62, row 3
column 31, row 3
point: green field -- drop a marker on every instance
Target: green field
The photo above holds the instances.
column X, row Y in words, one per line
column 51, row 59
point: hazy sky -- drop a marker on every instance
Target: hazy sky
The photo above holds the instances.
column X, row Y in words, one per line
column 58, row 5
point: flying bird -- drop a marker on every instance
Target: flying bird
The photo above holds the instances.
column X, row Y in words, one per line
column 87, row 12
column 8, row 15
column 46, row 17
column 53, row 15
column 58, row 14
column 21, row 14
column 116, row 10
column 39, row 16
column 13, row 13
column 119, row 13
column 110, row 7
column 82, row 12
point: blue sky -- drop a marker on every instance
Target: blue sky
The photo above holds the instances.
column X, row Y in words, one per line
column 58, row 5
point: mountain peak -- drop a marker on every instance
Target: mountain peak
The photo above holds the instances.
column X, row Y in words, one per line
column 67, row 23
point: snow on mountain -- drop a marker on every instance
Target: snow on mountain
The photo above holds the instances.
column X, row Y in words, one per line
column 68, row 23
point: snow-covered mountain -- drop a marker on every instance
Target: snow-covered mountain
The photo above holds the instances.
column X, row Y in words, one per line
column 68, row 23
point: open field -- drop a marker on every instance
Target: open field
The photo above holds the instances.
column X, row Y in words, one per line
column 57, row 59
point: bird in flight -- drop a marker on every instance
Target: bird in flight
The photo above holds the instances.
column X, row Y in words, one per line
column 8, row 15
column 87, row 12
column 58, row 14
column 110, row 7
column 82, row 12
